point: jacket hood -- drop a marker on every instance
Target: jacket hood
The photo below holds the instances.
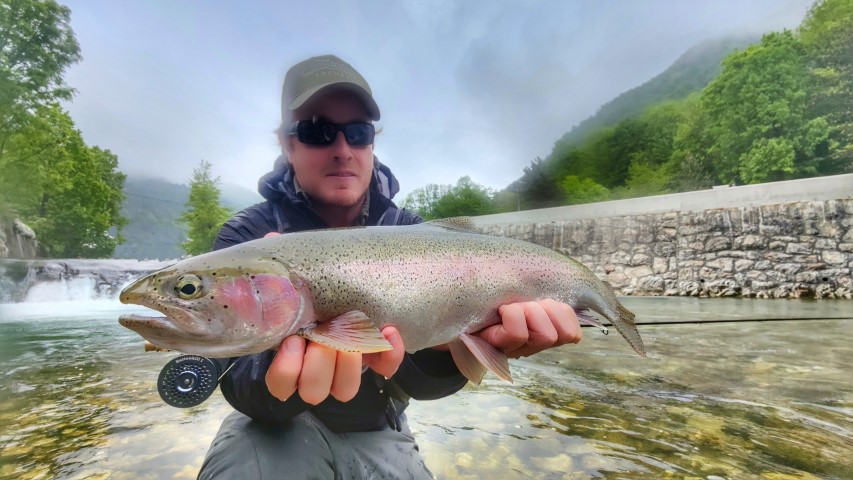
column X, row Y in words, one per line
column 279, row 182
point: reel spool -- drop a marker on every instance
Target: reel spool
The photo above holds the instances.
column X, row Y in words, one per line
column 188, row 380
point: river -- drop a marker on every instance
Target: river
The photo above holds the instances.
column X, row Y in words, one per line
column 751, row 399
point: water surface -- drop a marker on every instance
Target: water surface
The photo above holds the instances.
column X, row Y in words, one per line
column 771, row 400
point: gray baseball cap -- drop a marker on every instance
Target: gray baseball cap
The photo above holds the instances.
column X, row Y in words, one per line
column 308, row 77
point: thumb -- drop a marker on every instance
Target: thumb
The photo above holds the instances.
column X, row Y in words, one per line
column 386, row 363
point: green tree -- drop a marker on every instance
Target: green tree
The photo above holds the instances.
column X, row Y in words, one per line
column 36, row 45
column 466, row 198
column 582, row 190
column 423, row 200
column 691, row 163
column 69, row 193
column 827, row 34
column 758, row 116
column 538, row 187
column 204, row 215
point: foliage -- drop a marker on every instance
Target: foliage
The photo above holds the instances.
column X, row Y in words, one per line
column 827, row 35
column 423, row 200
column 538, row 187
column 466, row 198
column 690, row 73
column 779, row 109
column 582, row 190
column 69, row 193
column 757, row 114
column 36, row 45
column 204, row 214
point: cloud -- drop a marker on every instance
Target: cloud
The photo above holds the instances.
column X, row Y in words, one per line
column 474, row 88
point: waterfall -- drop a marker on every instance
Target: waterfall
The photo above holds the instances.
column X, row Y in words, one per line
column 51, row 281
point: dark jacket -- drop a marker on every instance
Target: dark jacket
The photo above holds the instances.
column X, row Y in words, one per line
column 423, row 375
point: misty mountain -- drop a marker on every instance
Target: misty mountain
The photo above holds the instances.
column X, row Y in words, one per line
column 690, row 73
column 153, row 206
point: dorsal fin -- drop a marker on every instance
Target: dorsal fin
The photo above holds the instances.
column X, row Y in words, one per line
column 464, row 224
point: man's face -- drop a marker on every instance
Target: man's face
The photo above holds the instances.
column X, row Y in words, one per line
column 338, row 174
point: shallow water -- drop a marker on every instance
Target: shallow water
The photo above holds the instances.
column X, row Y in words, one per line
column 723, row 400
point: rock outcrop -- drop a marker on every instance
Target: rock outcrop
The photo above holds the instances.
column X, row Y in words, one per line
column 17, row 240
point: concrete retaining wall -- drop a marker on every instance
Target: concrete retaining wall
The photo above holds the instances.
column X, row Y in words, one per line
column 784, row 239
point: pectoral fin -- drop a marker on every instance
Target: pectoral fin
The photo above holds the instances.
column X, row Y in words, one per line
column 350, row 332
column 474, row 355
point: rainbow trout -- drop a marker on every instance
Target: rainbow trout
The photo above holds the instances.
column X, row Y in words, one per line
column 437, row 283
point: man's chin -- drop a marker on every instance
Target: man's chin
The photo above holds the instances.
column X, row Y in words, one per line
column 342, row 198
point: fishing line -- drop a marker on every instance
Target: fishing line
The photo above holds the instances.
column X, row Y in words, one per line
column 733, row 320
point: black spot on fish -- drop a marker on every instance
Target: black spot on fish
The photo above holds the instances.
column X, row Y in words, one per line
column 225, row 306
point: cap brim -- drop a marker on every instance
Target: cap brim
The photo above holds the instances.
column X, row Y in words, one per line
column 369, row 103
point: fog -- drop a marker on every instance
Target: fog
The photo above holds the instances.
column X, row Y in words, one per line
column 474, row 88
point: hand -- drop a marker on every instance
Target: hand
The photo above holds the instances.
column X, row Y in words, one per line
column 530, row 327
column 317, row 371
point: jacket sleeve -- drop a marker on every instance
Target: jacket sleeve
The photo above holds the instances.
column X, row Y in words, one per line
column 428, row 375
column 244, row 385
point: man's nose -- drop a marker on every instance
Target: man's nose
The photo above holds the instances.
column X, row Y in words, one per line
column 340, row 147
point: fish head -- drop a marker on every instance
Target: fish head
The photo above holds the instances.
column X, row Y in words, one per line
column 219, row 304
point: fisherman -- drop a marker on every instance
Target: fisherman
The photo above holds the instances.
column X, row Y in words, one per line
column 307, row 411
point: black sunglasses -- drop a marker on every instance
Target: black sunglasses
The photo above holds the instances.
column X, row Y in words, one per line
column 319, row 131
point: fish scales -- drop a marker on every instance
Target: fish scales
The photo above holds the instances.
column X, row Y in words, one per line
column 436, row 284
column 425, row 282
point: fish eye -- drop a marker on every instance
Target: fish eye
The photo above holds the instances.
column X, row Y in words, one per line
column 189, row 287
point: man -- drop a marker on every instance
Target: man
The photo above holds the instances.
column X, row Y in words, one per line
column 307, row 411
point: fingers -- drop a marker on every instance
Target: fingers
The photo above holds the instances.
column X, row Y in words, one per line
column 271, row 234
column 347, row 377
column 511, row 333
column 530, row 327
column 386, row 363
column 283, row 374
column 314, row 371
column 565, row 321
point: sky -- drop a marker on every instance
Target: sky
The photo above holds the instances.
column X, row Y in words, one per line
column 468, row 87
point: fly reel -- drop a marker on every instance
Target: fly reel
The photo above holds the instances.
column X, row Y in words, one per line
column 188, row 380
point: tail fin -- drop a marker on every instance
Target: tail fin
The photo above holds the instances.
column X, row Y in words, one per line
column 626, row 326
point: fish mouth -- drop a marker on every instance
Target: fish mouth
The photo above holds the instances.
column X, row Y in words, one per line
column 160, row 331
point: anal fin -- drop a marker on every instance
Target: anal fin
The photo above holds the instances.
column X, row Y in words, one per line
column 350, row 332
column 474, row 355
column 585, row 317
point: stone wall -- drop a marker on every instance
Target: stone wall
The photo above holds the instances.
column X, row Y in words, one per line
column 790, row 250
column 17, row 240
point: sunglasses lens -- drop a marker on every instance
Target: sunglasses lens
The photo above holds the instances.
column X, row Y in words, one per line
column 324, row 133
column 319, row 133
column 359, row 134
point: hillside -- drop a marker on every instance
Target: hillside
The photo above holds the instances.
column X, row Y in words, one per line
column 152, row 207
column 690, row 73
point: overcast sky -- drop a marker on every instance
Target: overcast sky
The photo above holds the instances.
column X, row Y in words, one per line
column 466, row 87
